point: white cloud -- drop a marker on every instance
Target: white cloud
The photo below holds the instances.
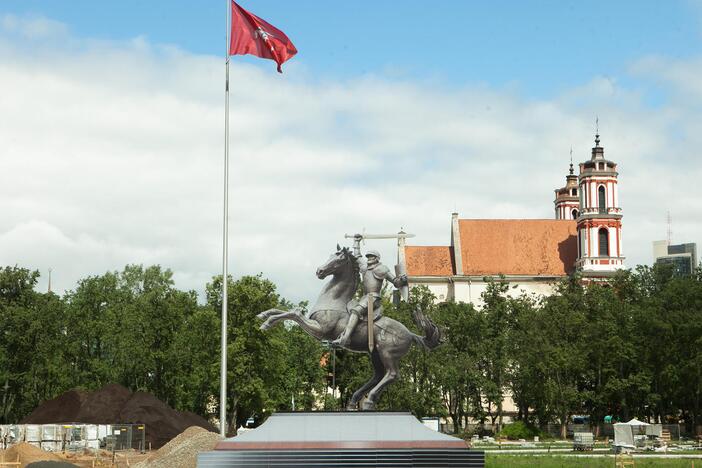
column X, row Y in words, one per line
column 111, row 153
column 32, row 27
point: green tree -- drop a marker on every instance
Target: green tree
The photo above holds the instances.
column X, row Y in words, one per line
column 124, row 328
column 457, row 370
column 33, row 365
column 416, row 389
column 255, row 359
column 494, row 358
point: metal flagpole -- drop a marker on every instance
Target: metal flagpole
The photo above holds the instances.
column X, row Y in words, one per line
column 225, row 243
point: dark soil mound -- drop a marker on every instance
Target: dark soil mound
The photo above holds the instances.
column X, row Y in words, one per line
column 192, row 419
column 63, row 408
column 103, row 406
column 145, row 408
column 115, row 404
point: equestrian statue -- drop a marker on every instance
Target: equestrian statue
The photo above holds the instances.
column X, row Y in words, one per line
column 338, row 318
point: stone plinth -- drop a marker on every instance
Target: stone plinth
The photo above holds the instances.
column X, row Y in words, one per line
column 336, row 439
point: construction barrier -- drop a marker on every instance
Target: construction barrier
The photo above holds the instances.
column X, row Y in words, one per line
column 75, row 436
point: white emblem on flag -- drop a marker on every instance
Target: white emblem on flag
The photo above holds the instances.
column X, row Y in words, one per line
column 262, row 34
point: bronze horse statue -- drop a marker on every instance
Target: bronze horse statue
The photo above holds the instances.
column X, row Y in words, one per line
column 327, row 319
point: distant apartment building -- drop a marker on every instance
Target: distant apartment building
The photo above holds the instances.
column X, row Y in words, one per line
column 683, row 257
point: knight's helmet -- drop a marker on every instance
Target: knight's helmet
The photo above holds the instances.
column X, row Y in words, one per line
column 375, row 253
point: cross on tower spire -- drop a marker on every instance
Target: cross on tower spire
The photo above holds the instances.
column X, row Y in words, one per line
column 597, row 131
column 571, row 159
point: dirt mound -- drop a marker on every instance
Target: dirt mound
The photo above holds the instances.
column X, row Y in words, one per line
column 145, row 408
column 67, row 405
column 28, row 454
column 52, row 464
column 103, row 406
column 181, row 452
column 115, row 404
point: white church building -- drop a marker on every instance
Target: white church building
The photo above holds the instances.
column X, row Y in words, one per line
column 534, row 254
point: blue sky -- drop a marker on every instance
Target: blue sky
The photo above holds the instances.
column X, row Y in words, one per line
column 537, row 47
column 414, row 109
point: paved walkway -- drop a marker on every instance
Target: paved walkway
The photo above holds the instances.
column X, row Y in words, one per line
column 570, row 453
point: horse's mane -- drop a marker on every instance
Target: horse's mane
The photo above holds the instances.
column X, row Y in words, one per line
column 354, row 264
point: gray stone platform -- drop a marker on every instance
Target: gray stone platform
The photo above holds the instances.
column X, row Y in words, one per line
column 338, row 439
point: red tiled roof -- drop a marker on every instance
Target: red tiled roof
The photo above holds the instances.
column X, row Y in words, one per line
column 534, row 247
column 429, row 261
column 529, row 247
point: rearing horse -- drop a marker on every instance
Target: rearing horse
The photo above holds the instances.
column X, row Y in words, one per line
column 327, row 319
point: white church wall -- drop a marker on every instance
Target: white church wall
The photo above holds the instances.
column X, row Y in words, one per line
column 467, row 291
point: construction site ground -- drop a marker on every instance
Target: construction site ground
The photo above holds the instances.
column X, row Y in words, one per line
column 180, row 452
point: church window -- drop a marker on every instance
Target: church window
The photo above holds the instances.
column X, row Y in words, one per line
column 574, row 192
column 603, row 238
column 574, row 213
column 602, row 199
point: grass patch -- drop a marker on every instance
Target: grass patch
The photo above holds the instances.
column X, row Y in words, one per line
column 554, row 461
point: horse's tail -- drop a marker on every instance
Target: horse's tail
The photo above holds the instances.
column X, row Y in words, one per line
column 432, row 333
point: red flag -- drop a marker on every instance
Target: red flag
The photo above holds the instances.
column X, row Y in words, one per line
column 251, row 35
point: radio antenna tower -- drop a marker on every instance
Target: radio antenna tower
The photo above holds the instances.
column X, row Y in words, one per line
column 669, row 220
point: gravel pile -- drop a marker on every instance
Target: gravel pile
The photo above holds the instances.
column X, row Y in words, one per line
column 181, row 452
column 115, row 404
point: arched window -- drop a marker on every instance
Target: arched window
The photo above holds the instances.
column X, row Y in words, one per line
column 602, row 199
column 574, row 213
column 603, row 238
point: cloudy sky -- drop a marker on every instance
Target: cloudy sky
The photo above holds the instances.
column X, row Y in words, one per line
column 111, row 128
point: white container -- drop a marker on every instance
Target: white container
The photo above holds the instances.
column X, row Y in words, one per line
column 103, row 431
column 92, row 444
column 51, row 446
column 90, row 432
column 51, row 432
column 32, row 433
column 16, row 433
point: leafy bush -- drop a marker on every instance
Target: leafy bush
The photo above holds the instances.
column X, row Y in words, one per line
column 519, row 430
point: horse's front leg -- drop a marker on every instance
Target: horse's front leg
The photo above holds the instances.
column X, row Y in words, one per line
column 269, row 313
column 312, row 327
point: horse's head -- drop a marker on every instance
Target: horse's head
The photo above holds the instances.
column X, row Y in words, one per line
column 340, row 259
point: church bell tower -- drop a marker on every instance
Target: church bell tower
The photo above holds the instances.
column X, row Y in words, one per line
column 567, row 201
column 599, row 221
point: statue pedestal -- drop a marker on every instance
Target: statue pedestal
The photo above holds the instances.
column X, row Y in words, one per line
column 337, row 439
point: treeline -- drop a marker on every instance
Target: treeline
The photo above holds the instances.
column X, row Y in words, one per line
column 630, row 347
column 135, row 328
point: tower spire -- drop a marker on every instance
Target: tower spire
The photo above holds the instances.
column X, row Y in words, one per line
column 597, row 131
column 599, row 224
column 571, row 159
column 566, row 201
